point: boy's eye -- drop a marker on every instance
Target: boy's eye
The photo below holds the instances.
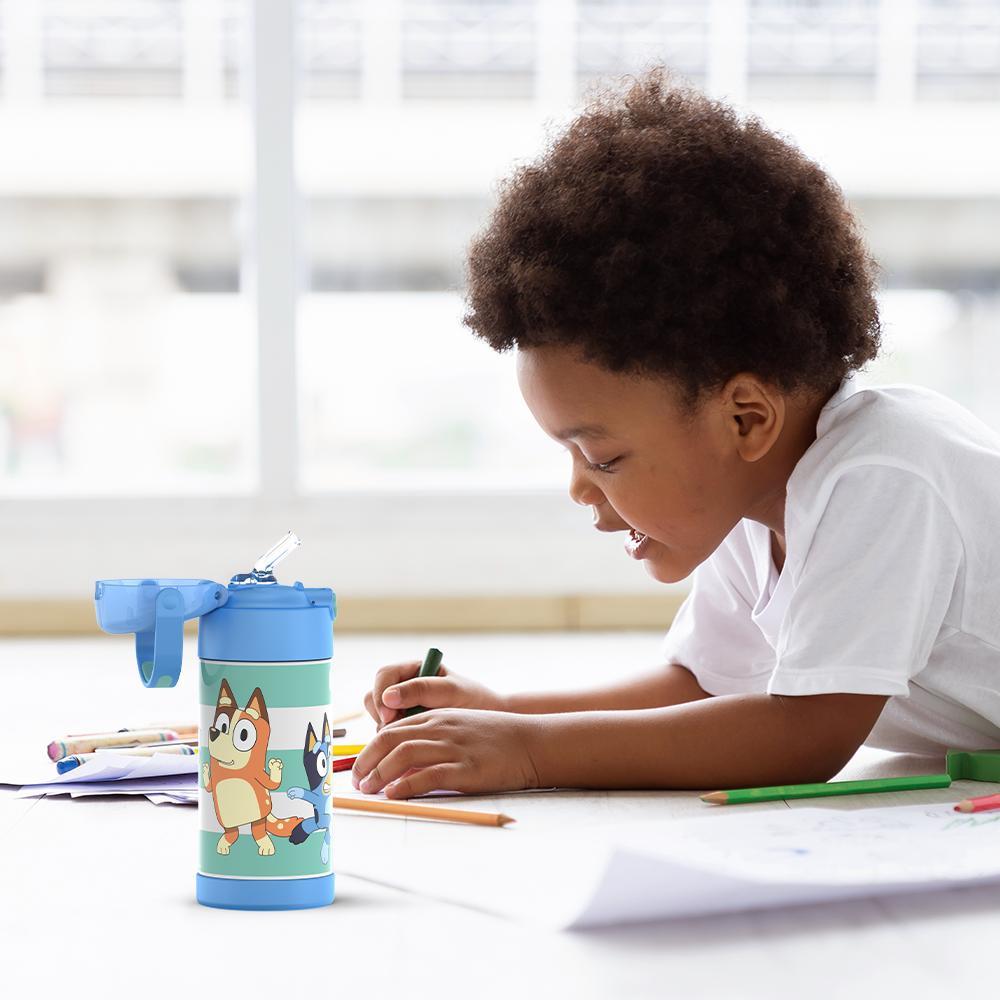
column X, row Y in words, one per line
column 603, row 466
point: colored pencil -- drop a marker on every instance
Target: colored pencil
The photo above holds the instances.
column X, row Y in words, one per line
column 148, row 749
column 183, row 728
column 184, row 741
column 740, row 795
column 346, row 718
column 343, row 749
column 982, row 803
column 429, row 668
column 343, row 764
column 397, row 808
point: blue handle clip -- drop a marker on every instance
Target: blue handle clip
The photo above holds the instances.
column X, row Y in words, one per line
column 158, row 650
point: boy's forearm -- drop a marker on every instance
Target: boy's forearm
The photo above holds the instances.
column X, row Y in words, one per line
column 668, row 685
column 723, row 742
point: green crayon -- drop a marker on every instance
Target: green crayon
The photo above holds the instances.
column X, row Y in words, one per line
column 429, row 668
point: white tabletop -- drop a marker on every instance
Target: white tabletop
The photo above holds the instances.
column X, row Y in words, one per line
column 98, row 895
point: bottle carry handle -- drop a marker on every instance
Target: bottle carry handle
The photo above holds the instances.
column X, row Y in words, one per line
column 159, row 650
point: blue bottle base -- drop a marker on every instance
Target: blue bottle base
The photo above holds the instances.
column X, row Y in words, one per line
column 264, row 894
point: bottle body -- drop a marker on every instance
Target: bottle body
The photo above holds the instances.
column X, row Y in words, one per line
column 264, row 807
column 265, row 739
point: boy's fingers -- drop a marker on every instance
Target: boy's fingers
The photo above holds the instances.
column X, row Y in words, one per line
column 386, row 740
column 443, row 777
column 394, row 673
column 382, row 716
column 431, row 692
column 386, row 677
column 395, row 764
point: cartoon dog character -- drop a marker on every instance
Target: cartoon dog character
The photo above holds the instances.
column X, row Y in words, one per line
column 316, row 760
column 240, row 786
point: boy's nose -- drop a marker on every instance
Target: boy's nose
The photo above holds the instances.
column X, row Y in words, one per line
column 583, row 491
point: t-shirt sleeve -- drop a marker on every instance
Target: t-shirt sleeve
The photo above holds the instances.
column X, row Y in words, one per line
column 712, row 633
column 873, row 590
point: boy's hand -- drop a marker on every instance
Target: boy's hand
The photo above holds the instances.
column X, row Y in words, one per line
column 397, row 687
column 452, row 749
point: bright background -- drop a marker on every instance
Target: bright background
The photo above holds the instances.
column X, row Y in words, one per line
column 231, row 252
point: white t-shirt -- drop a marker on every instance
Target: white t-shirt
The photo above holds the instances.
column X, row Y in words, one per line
column 891, row 580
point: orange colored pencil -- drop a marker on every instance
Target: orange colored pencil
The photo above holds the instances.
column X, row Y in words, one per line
column 397, row 808
column 347, row 718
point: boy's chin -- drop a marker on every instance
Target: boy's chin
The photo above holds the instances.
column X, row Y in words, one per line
column 664, row 572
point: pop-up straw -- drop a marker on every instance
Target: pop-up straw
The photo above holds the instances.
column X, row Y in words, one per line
column 263, row 568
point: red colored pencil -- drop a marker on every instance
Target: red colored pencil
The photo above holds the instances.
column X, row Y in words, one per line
column 343, row 763
column 980, row 804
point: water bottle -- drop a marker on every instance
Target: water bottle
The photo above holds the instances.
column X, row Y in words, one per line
column 264, row 730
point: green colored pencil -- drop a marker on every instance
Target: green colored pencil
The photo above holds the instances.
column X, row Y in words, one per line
column 828, row 788
column 429, row 668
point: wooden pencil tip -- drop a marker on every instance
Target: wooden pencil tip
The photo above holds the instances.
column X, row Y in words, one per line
column 720, row 798
column 504, row 820
column 965, row 806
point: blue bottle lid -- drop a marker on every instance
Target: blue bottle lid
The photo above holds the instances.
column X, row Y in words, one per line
column 266, row 622
column 269, row 623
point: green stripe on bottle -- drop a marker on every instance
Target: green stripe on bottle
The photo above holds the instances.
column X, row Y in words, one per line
column 285, row 685
column 243, row 859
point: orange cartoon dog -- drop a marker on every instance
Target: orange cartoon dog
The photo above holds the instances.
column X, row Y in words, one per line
column 240, row 787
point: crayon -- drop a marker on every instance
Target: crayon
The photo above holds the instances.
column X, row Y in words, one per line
column 72, row 762
column 65, row 747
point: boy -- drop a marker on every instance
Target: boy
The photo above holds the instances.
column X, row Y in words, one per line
column 688, row 298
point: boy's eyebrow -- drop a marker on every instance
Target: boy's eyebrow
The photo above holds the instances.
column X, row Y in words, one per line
column 584, row 430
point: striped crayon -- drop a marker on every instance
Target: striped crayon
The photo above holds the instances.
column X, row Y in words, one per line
column 72, row 762
column 66, row 747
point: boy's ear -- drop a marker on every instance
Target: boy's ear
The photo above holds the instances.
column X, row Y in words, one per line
column 256, row 708
column 326, row 729
column 226, row 697
column 757, row 414
column 310, row 737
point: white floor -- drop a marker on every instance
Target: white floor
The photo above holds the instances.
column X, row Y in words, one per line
column 97, row 896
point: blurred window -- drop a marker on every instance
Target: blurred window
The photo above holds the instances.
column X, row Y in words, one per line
column 129, row 352
column 128, row 342
column 958, row 50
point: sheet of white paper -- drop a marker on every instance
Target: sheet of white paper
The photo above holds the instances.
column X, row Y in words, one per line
column 113, row 767
column 121, row 786
column 655, row 870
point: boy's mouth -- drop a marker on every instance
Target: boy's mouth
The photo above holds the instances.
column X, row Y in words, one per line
column 636, row 543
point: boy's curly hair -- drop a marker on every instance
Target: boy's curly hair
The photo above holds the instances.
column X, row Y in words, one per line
column 661, row 234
